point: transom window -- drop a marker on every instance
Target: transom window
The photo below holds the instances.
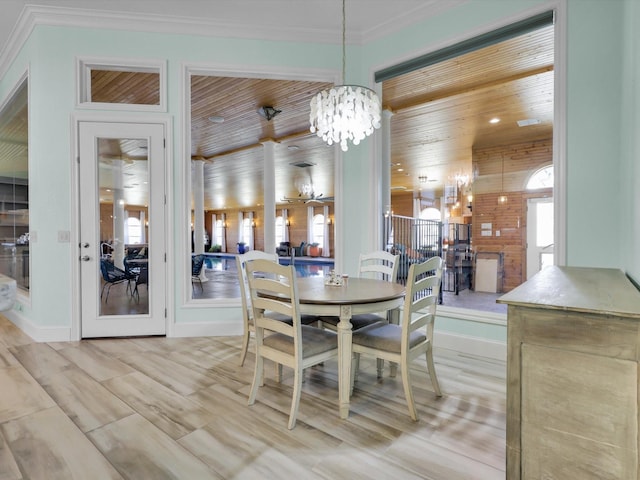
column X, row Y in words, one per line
column 542, row 178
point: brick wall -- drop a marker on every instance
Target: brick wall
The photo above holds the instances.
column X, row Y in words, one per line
column 508, row 221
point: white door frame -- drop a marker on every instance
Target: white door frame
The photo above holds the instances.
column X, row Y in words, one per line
column 165, row 120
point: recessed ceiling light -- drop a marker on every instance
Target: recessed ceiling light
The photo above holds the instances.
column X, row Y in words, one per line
column 494, row 120
column 216, row 119
column 401, row 169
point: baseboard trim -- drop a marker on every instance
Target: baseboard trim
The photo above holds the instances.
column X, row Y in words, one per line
column 206, row 329
column 480, row 347
column 36, row 332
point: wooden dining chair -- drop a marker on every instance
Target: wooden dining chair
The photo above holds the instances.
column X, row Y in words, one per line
column 272, row 290
column 247, row 313
column 414, row 336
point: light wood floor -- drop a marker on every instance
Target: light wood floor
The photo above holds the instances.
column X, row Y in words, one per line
column 156, row 408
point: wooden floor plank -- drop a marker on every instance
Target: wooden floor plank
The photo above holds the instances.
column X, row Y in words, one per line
column 47, row 445
column 155, row 455
column 85, row 401
column 177, row 408
column 20, row 394
column 172, row 413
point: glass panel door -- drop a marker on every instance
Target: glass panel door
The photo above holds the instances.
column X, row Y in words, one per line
column 122, row 229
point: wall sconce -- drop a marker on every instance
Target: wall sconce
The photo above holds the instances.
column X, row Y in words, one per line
column 288, row 222
column 253, row 223
column 470, row 202
column 329, row 221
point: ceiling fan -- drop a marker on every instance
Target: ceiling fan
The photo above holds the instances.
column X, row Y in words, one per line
column 308, row 196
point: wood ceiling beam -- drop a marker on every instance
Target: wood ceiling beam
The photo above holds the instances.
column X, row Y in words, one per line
column 420, row 101
column 251, row 146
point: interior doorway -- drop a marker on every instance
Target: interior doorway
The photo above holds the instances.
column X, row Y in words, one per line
column 123, row 280
column 540, row 243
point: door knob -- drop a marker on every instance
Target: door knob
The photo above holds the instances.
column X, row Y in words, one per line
column 85, row 258
column 85, row 245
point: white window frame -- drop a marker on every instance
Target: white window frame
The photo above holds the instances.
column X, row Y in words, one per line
column 84, row 66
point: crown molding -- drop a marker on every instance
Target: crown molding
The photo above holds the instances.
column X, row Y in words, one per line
column 33, row 15
column 17, row 38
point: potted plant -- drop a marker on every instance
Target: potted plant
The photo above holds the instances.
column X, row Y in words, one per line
column 314, row 250
column 242, row 247
column 215, row 248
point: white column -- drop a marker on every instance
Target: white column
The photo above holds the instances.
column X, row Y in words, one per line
column 385, row 174
column 269, row 187
column 197, row 188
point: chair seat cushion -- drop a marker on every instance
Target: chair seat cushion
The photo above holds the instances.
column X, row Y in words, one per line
column 357, row 321
column 314, row 341
column 279, row 316
column 304, row 319
column 309, row 319
column 387, row 337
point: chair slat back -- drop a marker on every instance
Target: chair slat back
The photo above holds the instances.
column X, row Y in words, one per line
column 379, row 264
column 241, row 261
column 423, row 288
column 273, row 288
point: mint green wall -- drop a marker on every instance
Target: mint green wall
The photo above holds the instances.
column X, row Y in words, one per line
column 630, row 178
column 52, row 52
column 598, row 159
column 594, row 221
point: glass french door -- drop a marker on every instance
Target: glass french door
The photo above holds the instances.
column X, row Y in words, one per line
column 122, row 229
column 540, row 243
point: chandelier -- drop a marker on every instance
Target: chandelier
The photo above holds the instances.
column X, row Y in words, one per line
column 345, row 112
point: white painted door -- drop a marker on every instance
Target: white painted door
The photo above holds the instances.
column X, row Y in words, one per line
column 122, row 229
column 539, row 235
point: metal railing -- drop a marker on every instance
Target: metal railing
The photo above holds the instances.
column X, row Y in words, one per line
column 414, row 239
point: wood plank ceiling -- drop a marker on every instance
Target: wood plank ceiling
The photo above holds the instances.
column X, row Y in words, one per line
column 440, row 113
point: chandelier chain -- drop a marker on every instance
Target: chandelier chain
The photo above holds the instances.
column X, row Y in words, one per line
column 344, row 41
column 344, row 113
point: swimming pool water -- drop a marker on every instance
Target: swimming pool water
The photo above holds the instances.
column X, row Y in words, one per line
column 304, row 268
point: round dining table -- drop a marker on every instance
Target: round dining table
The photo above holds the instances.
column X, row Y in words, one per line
column 355, row 296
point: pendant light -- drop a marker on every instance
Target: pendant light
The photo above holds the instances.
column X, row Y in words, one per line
column 502, row 198
column 345, row 112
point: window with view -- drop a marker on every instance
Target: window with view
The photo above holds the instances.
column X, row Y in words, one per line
column 14, row 187
column 318, row 230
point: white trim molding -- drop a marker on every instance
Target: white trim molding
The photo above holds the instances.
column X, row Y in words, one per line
column 85, row 65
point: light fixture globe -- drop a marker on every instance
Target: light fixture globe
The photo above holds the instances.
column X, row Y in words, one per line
column 345, row 112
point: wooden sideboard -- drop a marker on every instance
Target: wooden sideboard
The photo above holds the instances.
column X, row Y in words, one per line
column 573, row 346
